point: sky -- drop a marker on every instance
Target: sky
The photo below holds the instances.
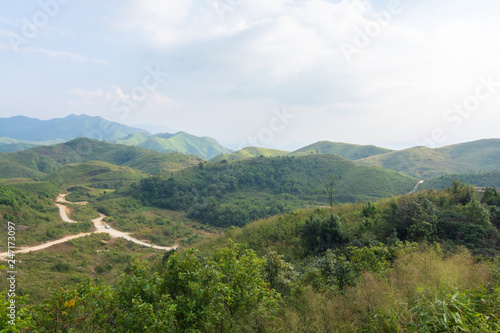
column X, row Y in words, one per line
column 278, row 74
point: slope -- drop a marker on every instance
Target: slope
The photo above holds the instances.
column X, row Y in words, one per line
column 349, row 151
column 10, row 145
column 225, row 194
column 423, row 162
column 182, row 142
column 45, row 159
column 249, row 152
column 70, row 127
column 95, row 174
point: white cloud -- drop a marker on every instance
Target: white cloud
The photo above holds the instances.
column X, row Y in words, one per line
column 51, row 53
column 86, row 94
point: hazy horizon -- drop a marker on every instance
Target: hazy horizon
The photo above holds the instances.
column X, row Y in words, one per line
column 395, row 74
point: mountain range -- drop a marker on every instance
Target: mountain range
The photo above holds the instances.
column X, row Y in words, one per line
column 19, row 133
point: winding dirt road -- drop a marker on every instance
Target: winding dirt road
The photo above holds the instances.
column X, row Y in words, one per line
column 99, row 225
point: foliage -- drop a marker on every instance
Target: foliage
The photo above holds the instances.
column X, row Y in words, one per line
column 233, row 194
column 224, row 292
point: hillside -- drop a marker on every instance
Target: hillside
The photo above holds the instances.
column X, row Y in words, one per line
column 36, row 162
column 249, row 152
column 349, row 151
column 182, row 142
column 225, row 194
column 481, row 179
column 95, row 174
column 403, row 264
column 425, row 163
column 70, row 127
column 10, row 145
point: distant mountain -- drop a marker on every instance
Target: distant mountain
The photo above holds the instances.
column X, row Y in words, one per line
column 425, row 163
column 40, row 161
column 22, row 133
column 249, row 152
column 182, row 142
column 70, row 127
column 349, row 151
column 9, row 145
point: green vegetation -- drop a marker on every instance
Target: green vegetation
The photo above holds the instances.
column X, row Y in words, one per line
column 349, row 151
column 181, row 142
column 36, row 217
column 482, row 179
column 386, row 266
column 95, row 174
column 11, row 145
column 424, row 163
column 224, row 292
column 249, row 152
column 345, row 150
column 233, row 194
column 40, row 161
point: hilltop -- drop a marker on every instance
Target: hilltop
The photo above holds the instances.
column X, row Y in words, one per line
column 203, row 147
column 40, row 161
column 249, row 152
column 225, row 194
column 70, row 127
column 425, row 163
column 349, row 151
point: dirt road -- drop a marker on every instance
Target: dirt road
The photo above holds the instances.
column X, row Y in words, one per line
column 100, row 228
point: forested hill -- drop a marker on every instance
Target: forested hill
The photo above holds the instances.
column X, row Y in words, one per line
column 425, row 163
column 225, row 194
column 40, row 161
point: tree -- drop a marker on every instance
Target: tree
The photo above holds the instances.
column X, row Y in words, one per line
column 329, row 189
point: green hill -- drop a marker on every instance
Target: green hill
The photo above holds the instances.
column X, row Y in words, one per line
column 225, row 194
column 425, row 163
column 349, row 151
column 182, row 142
column 10, row 145
column 249, row 152
column 36, row 162
column 95, row 174
column 482, row 179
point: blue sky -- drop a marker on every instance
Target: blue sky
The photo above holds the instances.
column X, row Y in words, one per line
column 281, row 73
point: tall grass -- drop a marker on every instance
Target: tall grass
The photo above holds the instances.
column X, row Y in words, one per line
column 424, row 291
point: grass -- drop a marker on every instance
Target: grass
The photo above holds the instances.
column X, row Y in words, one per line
column 425, row 163
column 97, row 257
column 412, row 297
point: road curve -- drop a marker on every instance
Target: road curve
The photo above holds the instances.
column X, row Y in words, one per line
column 100, row 228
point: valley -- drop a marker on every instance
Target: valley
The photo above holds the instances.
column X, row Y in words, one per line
column 266, row 211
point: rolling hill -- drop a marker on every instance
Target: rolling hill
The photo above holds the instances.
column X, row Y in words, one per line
column 40, row 161
column 182, row 142
column 249, row 152
column 95, row 174
column 225, row 194
column 10, row 145
column 349, row 151
column 425, row 163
